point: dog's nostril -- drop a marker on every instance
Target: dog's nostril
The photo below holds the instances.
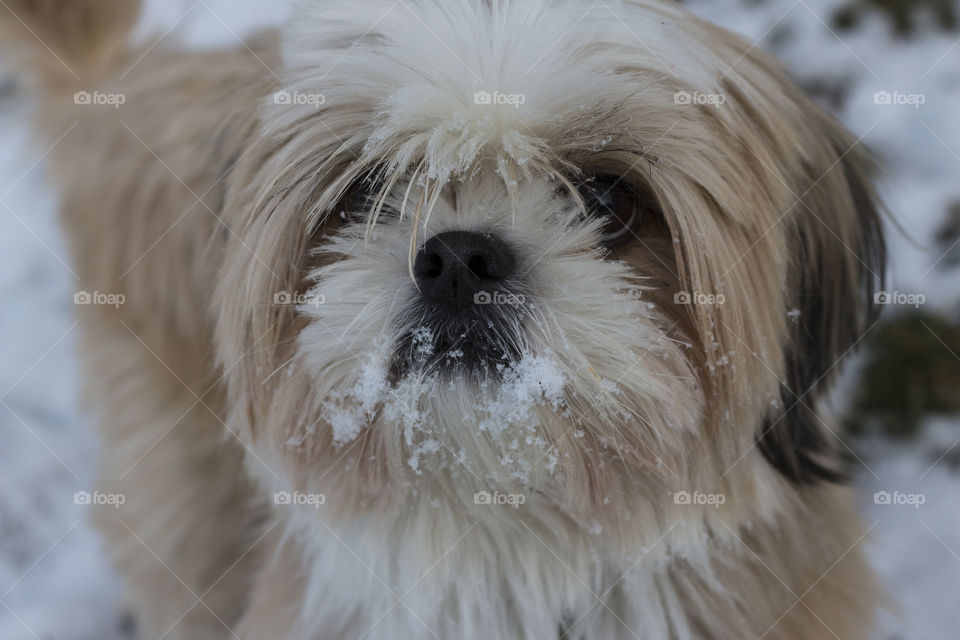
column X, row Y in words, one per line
column 433, row 266
column 454, row 266
column 478, row 267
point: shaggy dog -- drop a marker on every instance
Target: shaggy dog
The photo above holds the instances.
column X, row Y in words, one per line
column 462, row 319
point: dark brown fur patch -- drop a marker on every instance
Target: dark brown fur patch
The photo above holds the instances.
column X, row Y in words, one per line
column 838, row 269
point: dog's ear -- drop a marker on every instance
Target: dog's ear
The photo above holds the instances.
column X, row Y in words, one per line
column 838, row 259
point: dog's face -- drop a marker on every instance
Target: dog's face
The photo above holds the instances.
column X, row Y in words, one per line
column 595, row 254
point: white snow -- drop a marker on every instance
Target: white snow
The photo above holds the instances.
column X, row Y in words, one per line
column 505, row 411
column 534, row 381
column 350, row 411
column 54, row 580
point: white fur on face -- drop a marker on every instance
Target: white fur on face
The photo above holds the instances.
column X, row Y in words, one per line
column 595, row 356
column 410, row 96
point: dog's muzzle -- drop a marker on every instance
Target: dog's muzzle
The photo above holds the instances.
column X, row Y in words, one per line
column 467, row 313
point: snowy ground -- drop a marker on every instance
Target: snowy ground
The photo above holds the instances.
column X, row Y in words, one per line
column 53, row 580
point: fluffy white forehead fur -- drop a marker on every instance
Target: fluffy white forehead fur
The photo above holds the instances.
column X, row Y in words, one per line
column 419, row 66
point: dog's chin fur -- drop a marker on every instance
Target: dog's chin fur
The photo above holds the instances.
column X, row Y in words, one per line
column 610, row 402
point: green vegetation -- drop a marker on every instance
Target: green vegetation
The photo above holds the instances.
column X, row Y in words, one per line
column 948, row 238
column 904, row 15
column 912, row 370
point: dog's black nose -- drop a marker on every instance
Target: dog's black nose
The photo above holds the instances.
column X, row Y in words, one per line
column 455, row 267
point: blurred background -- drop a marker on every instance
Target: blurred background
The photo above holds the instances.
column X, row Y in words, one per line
column 889, row 69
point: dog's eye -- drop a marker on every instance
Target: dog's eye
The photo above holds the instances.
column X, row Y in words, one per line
column 360, row 196
column 359, row 200
column 616, row 204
